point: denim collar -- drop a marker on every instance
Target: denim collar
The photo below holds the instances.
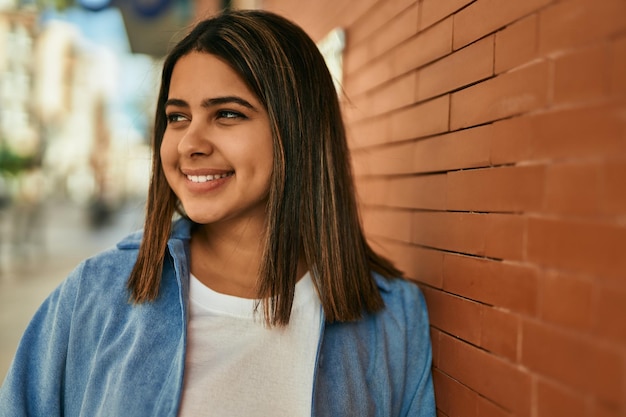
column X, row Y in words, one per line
column 181, row 230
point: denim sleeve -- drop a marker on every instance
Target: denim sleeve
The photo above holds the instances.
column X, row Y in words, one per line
column 421, row 402
column 34, row 384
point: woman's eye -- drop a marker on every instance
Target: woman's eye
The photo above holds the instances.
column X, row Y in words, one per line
column 175, row 117
column 230, row 115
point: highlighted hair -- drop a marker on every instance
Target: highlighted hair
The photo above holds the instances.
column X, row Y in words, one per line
column 312, row 209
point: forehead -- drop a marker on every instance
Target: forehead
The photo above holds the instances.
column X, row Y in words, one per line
column 203, row 73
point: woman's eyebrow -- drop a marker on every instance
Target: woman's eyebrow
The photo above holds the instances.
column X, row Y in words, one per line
column 216, row 101
column 210, row 102
column 176, row 102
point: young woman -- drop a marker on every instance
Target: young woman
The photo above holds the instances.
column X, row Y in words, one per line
column 262, row 297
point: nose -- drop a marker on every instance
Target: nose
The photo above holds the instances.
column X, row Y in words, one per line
column 195, row 141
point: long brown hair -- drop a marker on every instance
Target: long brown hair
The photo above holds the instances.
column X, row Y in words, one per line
column 312, row 210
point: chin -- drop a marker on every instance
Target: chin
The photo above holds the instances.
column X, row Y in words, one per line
column 197, row 216
column 200, row 219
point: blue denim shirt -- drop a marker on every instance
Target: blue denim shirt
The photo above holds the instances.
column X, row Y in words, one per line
column 90, row 352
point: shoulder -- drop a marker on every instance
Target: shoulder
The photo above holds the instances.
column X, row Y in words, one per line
column 402, row 297
column 122, row 257
column 404, row 315
column 404, row 320
column 101, row 278
column 390, row 346
column 115, row 262
column 106, row 273
column 403, row 330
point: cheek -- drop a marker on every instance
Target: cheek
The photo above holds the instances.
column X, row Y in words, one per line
column 167, row 151
column 169, row 161
column 265, row 160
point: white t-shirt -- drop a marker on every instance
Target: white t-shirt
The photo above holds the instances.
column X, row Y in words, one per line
column 236, row 366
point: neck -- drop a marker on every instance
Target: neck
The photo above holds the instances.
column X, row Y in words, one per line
column 226, row 258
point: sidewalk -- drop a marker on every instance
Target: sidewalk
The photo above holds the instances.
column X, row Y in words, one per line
column 66, row 239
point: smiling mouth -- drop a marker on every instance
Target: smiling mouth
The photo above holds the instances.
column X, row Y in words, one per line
column 207, row 178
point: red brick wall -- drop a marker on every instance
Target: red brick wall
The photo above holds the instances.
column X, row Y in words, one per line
column 489, row 143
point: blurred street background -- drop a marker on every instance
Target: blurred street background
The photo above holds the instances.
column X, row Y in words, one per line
column 61, row 238
column 78, row 83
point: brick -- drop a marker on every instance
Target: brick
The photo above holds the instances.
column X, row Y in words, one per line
column 575, row 361
column 359, row 54
column 584, row 247
column 376, row 19
column 469, row 148
column 393, row 159
column 573, row 188
column 487, row 408
column 454, row 315
column 600, row 409
column 382, row 244
column 435, row 336
column 454, row 398
column 505, row 237
column 426, row 47
column 390, row 224
column 618, row 67
column 420, row 192
column 511, row 140
column 581, row 132
column 346, row 16
column 582, row 75
column 554, row 400
column 516, row 44
column 401, row 28
column 435, row 10
column 566, row 300
column 486, row 16
column 460, row 232
column 500, row 333
column 506, row 95
column 367, row 190
column 499, row 381
column 609, row 315
column 502, row 189
column 569, row 24
column 607, row 381
column 319, row 17
column 613, row 197
column 509, row 286
column 360, row 164
column 398, row 93
column 355, row 59
column 371, row 191
column 419, row 264
column 369, row 77
column 425, row 119
column 301, row 15
column 350, row 112
column 368, row 132
column 464, row 67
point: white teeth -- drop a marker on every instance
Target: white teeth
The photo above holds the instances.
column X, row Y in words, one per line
column 205, row 178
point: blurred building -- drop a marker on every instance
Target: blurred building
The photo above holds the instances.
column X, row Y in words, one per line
column 76, row 104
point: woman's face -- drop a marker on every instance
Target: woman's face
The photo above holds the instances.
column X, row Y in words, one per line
column 217, row 148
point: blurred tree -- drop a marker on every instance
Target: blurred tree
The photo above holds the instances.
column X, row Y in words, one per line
column 13, row 163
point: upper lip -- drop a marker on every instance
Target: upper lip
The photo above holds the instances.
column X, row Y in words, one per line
column 205, row 171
